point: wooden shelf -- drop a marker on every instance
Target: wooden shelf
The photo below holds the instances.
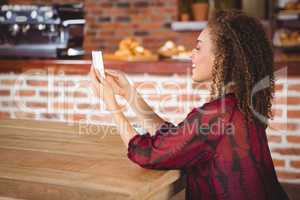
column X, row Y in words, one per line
column 188, row 25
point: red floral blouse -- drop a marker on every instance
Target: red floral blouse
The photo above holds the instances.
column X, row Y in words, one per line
column 222, row 156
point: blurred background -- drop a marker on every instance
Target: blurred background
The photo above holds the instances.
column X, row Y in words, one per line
column 74, row 28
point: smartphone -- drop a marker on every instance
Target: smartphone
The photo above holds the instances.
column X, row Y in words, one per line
column 97, row 61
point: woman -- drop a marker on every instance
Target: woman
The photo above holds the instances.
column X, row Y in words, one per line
column 221, row 146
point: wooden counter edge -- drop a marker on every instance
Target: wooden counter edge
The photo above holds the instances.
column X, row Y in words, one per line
column 163, row 67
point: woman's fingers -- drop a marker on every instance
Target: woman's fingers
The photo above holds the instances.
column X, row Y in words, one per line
column 95, row 83
column 107, row 82
column 94, row 80
column 93, row 74
column 111, row 71
column 117, row 89
column 117, row 81
column 97, row 76
column 119, row 76
column 114, row 80
column 113, row 77
column 114, row 73
column 102, row 80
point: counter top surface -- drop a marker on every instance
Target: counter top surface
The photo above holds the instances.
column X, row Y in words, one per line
column 83, row 66
column 53, row 160
column 162, row 67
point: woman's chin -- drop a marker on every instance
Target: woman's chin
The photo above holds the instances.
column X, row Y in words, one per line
column 198, row 79
column 195, row 78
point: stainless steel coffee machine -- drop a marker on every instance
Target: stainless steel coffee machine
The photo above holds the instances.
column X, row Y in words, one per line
column 41, row 31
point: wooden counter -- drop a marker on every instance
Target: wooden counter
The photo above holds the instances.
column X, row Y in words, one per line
column 52, row 160
column 163, row 67
column 83, row 66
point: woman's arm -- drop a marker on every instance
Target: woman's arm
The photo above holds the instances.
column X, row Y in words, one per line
column 121, row 86
column 178, row 147
column 149, row 119
column 124, row 127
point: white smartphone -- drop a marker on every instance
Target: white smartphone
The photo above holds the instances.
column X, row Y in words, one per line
column 98, row 62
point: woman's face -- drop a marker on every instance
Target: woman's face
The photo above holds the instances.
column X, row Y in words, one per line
column 203, row 58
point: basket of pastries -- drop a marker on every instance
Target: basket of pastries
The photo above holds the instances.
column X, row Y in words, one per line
column 130, row 49
column 287, row 40
column 172, row 51
column 292, row 6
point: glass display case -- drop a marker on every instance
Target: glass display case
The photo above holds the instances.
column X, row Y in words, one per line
column 285, row 20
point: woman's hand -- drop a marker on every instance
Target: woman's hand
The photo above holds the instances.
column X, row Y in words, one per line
column 103, row 89
column 120, row 84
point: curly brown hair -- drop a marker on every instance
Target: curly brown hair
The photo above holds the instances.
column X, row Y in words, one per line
column 243, row 56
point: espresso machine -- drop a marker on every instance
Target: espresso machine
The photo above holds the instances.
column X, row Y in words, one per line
column 38, row 31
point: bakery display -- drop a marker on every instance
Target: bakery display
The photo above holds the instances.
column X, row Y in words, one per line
column 171, row 50
column 292, row 5
column 285, row 26
column 130, row 49
column 287, row 40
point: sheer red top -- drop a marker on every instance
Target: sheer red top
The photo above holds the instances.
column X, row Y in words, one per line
column 222, row 156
